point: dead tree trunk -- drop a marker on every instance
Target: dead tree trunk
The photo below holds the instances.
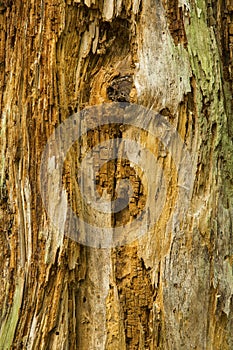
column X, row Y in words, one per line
column 171, row 288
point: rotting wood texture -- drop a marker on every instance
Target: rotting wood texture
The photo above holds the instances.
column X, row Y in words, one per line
column 173, row 287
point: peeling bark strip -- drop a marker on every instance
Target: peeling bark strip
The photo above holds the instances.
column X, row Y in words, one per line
column 173, row 289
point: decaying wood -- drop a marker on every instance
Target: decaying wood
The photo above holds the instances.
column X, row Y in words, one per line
column 173, row 288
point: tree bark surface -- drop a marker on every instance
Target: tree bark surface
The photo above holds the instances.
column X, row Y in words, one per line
column 172, row 288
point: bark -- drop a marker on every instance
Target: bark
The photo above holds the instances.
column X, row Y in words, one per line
column 172, row 288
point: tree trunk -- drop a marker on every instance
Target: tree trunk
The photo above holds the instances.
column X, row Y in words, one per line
column 170, row 286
